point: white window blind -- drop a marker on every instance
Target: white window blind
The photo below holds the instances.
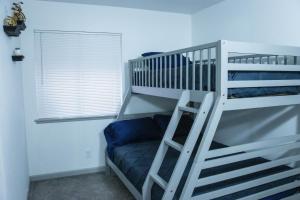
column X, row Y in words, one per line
column 78, row 74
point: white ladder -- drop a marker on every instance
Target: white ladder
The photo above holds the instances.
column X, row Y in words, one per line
column 206, row 99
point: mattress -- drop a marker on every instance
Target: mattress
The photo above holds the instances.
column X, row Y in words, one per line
column 232, row 76
column 134, row 161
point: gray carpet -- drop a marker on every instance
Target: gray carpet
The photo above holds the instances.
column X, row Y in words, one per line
column 85, row 187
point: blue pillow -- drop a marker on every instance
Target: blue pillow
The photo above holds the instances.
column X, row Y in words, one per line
column 130, row 131
column 150, row 54
column 183, row 128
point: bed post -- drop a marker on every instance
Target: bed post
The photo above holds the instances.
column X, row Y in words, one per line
column 108, row 170
column 124, row 104
column 127, row 94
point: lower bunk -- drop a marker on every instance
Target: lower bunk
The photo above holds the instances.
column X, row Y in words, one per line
column 132, row 159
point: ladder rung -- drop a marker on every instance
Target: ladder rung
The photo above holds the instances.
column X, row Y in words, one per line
column 161, row 182
column 188, row 109
column 174, row 145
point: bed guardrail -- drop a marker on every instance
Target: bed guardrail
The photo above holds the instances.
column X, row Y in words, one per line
column 277, row 68
column 173, row 70
column 209, row 68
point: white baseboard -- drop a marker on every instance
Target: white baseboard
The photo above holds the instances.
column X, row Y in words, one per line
column 67, row 173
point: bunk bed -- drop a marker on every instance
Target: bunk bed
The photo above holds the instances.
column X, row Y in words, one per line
column 176, row 157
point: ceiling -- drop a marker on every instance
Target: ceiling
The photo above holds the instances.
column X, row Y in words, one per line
column 178, row 6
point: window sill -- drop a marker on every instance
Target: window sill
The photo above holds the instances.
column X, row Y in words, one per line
column 72, row 119
column 126, row 117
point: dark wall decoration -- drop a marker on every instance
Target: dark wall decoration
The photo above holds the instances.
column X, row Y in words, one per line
column 14, row 24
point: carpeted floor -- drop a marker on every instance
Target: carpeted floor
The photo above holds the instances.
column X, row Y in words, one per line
column 85, row 187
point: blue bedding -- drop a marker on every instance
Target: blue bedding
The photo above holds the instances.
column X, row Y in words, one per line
column 134, row 160
column 124, row 132
column 232, row 76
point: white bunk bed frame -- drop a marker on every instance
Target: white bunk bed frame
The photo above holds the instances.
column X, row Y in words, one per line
column 145, row 80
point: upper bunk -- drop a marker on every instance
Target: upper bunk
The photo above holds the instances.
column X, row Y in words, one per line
column 242, row 75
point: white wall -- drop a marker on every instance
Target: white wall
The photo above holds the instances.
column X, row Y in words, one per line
column 263, row 21
column 2, row 178
column 61, row 147
column 267, row 21
column 14, row 179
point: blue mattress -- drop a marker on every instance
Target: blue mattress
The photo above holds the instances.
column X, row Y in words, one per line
column 232, row 76
column 134, row 160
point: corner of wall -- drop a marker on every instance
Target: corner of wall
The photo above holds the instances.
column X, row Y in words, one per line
column 14, row 178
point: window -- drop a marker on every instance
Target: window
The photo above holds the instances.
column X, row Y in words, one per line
column 78, row 74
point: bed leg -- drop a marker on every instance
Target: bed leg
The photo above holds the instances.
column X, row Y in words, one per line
column 108, row 171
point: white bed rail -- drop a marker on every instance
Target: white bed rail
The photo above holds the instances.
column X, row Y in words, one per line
column 262, row 58
column 173, row 70
column 207, row 68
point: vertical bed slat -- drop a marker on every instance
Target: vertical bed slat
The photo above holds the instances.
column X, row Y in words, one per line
column 181, row 60
column 170, row 70
column 165, row 75
column 285, row 60
column 200, row 72
column 133, row 72
column 209, row 70
column 194, row 71
column 149, row 72
column 136, row 74
column 140, row 73
column 152, row 70
column 187, row 71
column 260, row 60
column 143, row 63
column 156, row 73
column 175, row 71
column 160, row 73
column 145, row 73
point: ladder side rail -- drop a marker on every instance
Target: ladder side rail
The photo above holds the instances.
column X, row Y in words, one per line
column 202, row 150
column 188, row 146
column 214, row 119
column 124, row 104
column 128, row 92
column 160, row 154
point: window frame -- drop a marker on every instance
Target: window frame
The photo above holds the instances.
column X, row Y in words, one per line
column 37, row 61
